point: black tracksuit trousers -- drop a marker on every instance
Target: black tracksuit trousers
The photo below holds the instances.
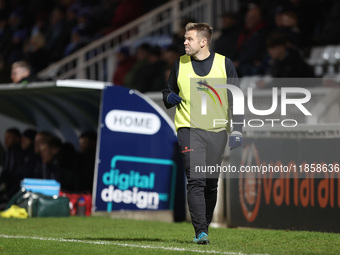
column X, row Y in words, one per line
column 200, row 149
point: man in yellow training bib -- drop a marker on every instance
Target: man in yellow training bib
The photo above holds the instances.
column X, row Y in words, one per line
column 202, row 140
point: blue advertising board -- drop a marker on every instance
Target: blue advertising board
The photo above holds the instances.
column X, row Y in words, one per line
column 137, row 161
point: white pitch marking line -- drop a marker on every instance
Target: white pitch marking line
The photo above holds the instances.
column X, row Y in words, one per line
column 125, row 245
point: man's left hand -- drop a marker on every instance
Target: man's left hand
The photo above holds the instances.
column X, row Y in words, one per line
column 235, row 140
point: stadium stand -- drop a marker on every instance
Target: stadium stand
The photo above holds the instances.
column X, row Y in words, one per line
column 31, row 30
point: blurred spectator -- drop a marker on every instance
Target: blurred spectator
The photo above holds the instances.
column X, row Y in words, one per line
column 36, row 8
column 270, row 9
column 48, row 168
column 78, row 40
column 285, row 61
column 329, row 22
column 40, row 24
column 5, row 36
column 125, row 12
column 84, row 23
column 88, row 142
column 12, row 145
column 142, row 54
column 35, row 52
column 307, row 12
column 10, row 177
column 21, row 73
column 4, row 7
column 226, row 43
column 16, row 51
column 278, row 16
column 151, row 76
column 170, row 55
column 289, row 27
column 102, row 14
column 251, row 44
column 18, row 34
column 57, row 35
column 67, row 157
column 27, row 139
column 29, row 159
column 71, row 16
column 123, row 66
column 15, row 21
column 86, row 161
column 5, row 71
column 39, row 138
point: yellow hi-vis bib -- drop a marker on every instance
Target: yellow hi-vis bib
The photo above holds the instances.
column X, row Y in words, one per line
column 203, row 106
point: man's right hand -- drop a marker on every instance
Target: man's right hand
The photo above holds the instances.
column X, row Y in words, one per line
column 174, row 99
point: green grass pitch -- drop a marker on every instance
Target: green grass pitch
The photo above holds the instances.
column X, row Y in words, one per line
column 103, row 235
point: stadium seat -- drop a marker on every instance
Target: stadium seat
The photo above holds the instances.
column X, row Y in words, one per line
column 316, row 59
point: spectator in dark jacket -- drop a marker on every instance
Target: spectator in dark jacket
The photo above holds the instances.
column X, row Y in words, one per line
column 286, row 61
column 35, row 53
column 151, row 76
column 251, row 44
column 67, row 158
column 125, row 12
column 289, row 26
column 57, row 35
column 5, row 71
column 226, row 44
column 39, row 138
column 29, row 159
column 10, row 176
column 5, row 36
column 78, row 41
column 124, row 65
column 328, row 28
column 86, row 161
column 49, row 166
column 142, row 55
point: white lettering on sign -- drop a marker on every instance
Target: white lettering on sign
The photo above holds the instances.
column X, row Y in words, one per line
column 132, row 122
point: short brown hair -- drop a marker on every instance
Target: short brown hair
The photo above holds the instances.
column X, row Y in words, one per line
column 203, row 29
